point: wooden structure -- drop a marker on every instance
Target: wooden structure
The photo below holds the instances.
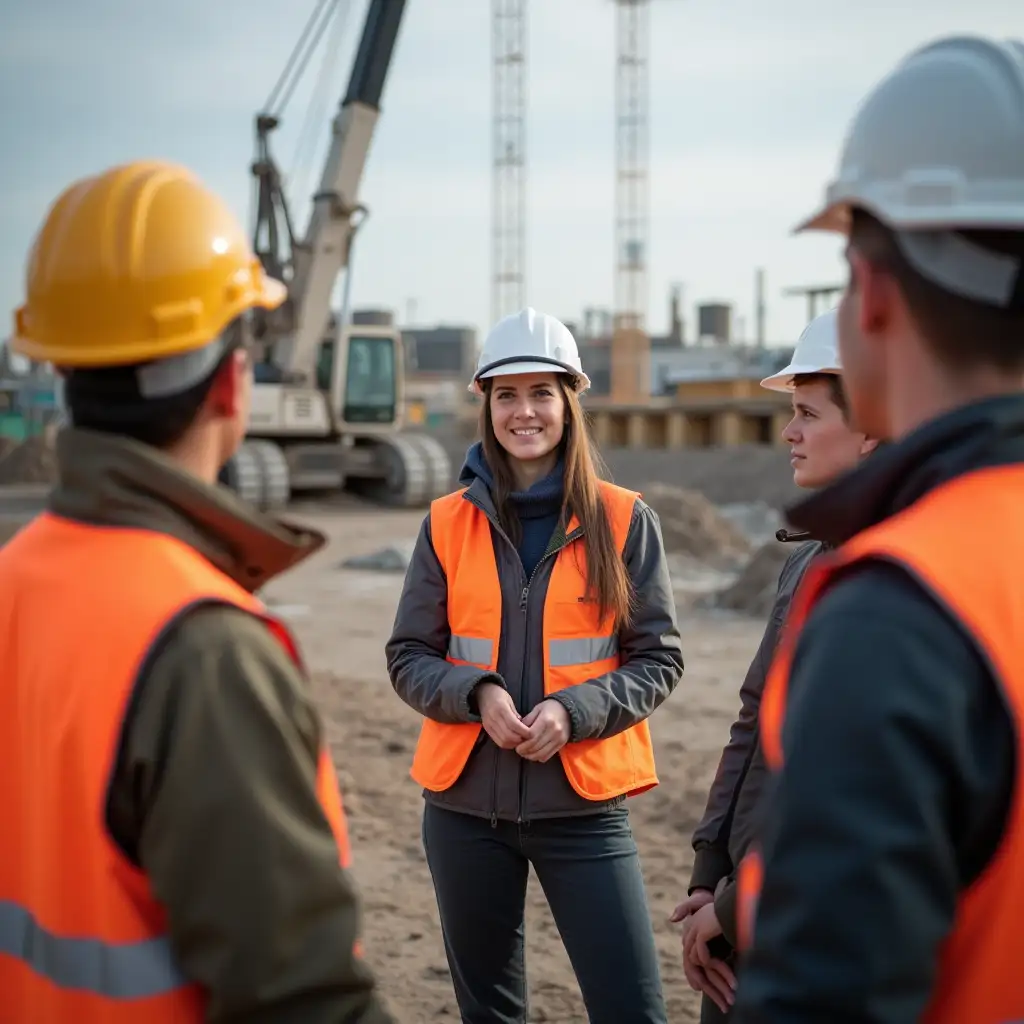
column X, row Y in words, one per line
column 692, row 422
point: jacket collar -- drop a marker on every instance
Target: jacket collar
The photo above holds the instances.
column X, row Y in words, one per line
column 112, row 481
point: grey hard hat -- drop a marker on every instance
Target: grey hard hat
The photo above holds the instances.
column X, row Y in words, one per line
column 938, row 147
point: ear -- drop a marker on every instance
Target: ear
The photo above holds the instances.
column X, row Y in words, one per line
column 228, row 386
column 868, row 445
column 875, row 291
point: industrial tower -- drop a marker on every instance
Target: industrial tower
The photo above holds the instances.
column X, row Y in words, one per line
column 630, row 355
column 508, row 146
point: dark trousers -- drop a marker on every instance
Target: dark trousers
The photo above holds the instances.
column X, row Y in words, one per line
column 589, row 870
column 711, row 1014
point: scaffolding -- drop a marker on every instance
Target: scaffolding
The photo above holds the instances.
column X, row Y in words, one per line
column 630, row 369
column 508, row 190
column 632, row 153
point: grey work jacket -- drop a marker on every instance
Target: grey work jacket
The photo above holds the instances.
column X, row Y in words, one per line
column 496, row 783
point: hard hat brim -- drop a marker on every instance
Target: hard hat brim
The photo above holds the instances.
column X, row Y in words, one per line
column 266, row 293
column 529, row 366
column 783, row 380
column 834, row 218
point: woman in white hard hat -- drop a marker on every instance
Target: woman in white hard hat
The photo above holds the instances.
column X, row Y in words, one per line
column 536, row 633
column 824, row 445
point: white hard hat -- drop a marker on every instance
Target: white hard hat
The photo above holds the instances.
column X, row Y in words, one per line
column 938, row 147
column 817, row 351
column 529, row 342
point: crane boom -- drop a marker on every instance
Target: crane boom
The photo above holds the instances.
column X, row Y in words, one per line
column 324, row 251
column 328, row 399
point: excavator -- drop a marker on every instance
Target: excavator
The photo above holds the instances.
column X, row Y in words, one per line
column 328, row 399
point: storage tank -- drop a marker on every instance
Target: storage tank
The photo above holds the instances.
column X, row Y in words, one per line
column 714, row 320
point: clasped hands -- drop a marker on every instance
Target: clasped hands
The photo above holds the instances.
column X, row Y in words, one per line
column 537, row 736
column 704, row 972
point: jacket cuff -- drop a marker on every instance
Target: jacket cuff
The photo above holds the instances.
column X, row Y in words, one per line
column 725, row 911
column 467, row 705
column 569, row 704
column 710, row 865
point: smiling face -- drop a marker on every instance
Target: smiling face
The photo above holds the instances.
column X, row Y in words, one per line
column 528, row 415
column 822, row 444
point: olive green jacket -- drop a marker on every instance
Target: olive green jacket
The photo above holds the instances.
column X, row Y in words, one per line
column 214, row 790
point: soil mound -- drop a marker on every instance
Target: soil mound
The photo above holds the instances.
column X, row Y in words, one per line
column 694, row 526
column 753, row 591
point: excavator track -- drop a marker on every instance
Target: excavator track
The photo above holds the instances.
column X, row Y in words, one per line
column 416, row 471
column 258, row 473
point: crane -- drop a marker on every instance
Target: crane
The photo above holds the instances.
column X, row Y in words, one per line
column 327, row 403
column 508, row 157
column 630, row 349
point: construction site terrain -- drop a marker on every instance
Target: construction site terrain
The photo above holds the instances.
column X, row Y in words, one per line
column 341, row 604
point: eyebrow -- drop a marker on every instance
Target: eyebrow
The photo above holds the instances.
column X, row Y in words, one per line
column 804, row 407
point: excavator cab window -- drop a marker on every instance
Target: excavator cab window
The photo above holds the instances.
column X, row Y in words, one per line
column 325, row 364
column 370, row 380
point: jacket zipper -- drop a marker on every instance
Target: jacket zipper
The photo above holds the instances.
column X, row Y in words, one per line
column 494, row 773
column 524, row 598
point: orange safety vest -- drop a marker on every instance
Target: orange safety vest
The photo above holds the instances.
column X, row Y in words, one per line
column 977, row 579
column 83, row 939
column 578, row 645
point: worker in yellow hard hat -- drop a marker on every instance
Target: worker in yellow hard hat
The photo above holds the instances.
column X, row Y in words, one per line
column 174, row 845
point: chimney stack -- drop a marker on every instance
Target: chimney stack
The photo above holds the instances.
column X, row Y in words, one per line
column 760, row 310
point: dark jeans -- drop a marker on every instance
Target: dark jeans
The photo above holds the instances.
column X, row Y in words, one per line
column 590, row 873
column 709, row 1012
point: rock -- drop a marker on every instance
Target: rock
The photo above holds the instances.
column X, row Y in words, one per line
column 394, row 558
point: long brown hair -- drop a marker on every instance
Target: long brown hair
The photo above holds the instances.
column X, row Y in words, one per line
column 608, row 583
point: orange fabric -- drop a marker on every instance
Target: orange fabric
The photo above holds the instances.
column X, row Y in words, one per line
column 82, row 937
column 975, row 576
column 749, row 878
column 461, row 533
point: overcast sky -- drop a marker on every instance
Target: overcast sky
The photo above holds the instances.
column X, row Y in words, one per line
column 749, row 103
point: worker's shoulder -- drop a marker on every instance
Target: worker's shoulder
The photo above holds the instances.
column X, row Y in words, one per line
column 216, row 627
column 795, row 567
column 214, row 652
column 879, row 609
column 879, row 589
column 802, row 555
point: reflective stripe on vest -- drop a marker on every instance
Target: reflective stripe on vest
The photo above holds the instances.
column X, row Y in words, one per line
column 125, row 970
column 578, row 645
column 977, row 580
column 82, row 936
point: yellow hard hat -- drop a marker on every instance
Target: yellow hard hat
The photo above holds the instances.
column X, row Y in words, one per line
column 141, row 262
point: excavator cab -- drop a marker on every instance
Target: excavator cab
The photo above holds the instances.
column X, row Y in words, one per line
column 361, row 368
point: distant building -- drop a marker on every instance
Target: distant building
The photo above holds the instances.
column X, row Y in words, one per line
column 449, row 350
column 672, row 363
column 439, row 362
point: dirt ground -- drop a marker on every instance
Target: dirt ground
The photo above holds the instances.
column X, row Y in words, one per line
column 343, row 619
